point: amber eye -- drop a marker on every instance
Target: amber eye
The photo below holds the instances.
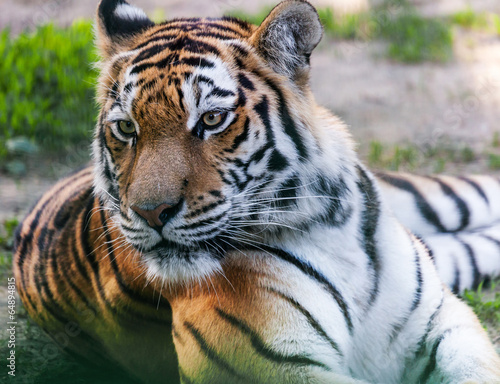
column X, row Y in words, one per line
column 213, row 119
column 126, row 126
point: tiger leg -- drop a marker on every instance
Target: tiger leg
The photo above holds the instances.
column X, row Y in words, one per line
column 456, row 348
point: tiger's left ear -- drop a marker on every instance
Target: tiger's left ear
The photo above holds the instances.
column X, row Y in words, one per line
column 287, row 37
column 117, row 23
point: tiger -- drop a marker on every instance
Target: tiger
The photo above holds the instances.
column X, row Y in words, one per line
column 228, row 233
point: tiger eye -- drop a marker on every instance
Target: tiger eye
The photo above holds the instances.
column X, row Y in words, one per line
column 211, row 119
column 126, row 126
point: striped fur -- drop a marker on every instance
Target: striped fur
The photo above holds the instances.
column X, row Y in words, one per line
column 80, row 282
column 277, row 260
column 458, row 218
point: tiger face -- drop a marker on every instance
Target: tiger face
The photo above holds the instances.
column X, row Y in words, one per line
column 204, row 131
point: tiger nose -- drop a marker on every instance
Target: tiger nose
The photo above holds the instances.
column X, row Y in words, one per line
column 159, row 216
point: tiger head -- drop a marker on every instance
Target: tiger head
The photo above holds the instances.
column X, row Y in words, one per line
column 207, row 134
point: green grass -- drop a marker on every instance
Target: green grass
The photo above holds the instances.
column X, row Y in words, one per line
column 481, row 21
column 413, row 38
column 486, row 306
column 487, row 309
column 255, row 18
column 470, row 19
column 7, row 229
column 409, row 157
column 495, row 142
column 47, row 88
column 349, row 26
column 494, row 161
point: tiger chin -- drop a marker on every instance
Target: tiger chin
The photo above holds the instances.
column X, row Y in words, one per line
column 227, row 232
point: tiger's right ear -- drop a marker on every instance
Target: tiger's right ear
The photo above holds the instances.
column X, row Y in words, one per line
column 117, row 23
column 287, row 36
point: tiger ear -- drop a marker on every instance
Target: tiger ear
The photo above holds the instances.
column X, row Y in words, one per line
column 287, row 37
column 117, row 23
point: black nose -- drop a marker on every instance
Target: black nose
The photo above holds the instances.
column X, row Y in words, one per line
column 159, row 216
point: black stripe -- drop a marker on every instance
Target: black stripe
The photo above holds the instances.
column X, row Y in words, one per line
column 476, row 275
column 423, row 339
column 215, row 35
column 209, row 352
column 156, row 37
column 262, row 349
column 225, row 28
column 20, row 241
column 310, row 318
column 289, row 125
column 205, row 208
column 277, row 161
column 369, row 224
column 151, row 51
column 455, row 287
column 418, row 292
column 78, row 262
column 181, row 99
column 338, row 208
column 125, row 226
column 477, row 187
column 245, row 82
column 242, row 137
column 62, row 266
column 287, row 192
column 428, row 249
column 425, row 208
column 262, row 109
column 242, row 99
column 173, row 60
column 431, row 364
column 219, row 92
column 308, row 270
column 461, row 205
column 240, row 23
column 203, row 79
column 197, row 62
column 202, row 223
column 87, row 251
column 124, row 288
column 240, row 184
column 239, row 52
column 417, row 296
column 25, row 242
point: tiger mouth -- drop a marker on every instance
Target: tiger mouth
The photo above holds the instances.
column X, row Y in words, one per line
column 172, row 246
column 170, row 249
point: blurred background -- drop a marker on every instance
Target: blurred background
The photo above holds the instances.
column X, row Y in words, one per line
column 417, row 81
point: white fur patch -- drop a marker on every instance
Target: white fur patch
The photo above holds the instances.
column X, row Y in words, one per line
column 126, row 11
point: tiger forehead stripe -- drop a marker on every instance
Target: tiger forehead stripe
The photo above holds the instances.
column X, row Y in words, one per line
column 223, row 29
